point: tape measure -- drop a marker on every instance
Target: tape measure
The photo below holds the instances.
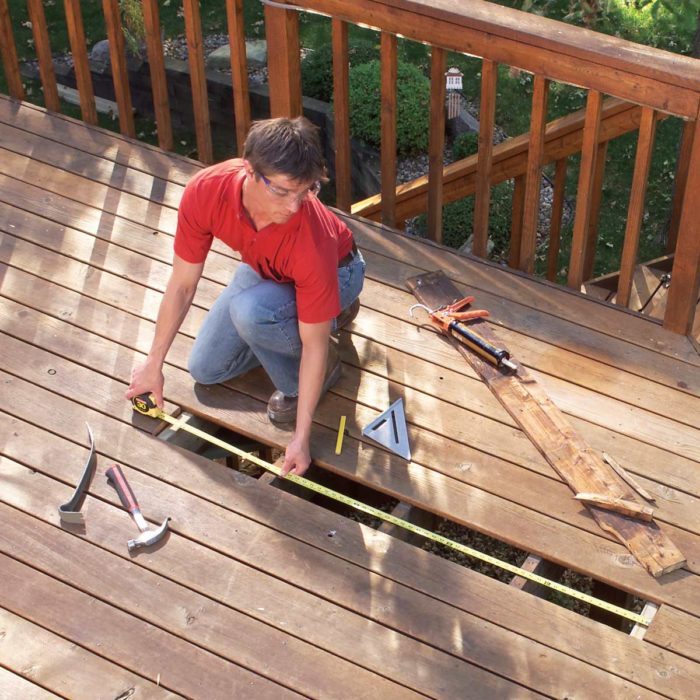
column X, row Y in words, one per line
column 145, row 404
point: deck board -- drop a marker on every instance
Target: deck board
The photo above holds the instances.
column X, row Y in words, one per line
column 86, row 226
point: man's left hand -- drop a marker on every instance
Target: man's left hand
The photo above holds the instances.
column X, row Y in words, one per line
column 297, row 457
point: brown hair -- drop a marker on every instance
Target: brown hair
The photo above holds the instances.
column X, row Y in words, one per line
column 290, row 147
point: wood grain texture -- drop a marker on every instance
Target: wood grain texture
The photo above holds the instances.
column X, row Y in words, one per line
column 341, row 115
column 388, row 112
column 436, row 142
column 482, row 190
column 239, row 70
column 8, row 53
column 83, row 76
column 284, row 63
column 42, row 46
column 156, row 66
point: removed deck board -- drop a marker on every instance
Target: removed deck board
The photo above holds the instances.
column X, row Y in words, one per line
column 559, row 444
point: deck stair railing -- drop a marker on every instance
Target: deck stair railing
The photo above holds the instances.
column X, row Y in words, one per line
column 629, row 87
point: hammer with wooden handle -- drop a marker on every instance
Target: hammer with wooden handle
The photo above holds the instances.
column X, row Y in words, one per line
column 116, row 478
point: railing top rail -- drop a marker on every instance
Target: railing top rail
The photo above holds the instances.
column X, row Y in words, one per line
column 574, row 55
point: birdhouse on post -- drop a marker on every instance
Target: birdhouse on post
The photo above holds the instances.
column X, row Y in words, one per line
column 453, row 79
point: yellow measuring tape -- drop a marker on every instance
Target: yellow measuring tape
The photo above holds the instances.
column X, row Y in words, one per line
column 148, row 407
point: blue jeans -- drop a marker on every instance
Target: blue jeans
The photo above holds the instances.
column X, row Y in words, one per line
column 254, row 322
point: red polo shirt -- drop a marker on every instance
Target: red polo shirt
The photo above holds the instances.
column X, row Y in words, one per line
column 305, row 250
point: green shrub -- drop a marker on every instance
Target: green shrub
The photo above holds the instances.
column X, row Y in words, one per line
column 458, row 220
column 465, row 145
column 413, row 98
column 317, row 67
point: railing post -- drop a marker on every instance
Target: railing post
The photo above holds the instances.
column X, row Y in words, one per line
column 635, row 211
column 685, row 275
column 341, row 116
column 239, row 70
column 516, row 224
column 436, row 144
column 533, row 175
column 586, row 182
column 43, row 52
column 388, row 128
column 159, row 81
column 482, row 193
column 83, row 77
column 679, row 184
column 8, row 51
column 120, row 74
column 283, row 63
column 198, row 79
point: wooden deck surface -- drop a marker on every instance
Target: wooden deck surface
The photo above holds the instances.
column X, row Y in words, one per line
column 256, row 592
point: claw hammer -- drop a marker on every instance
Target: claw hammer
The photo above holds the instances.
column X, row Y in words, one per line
column 116, row 478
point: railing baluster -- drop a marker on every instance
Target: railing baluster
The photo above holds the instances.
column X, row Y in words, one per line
column 198, row 79
column 120, row 74
column 341, row 116
column 159, row 81
column 482, row 195
column 8, row 51
column 436, row 144
column 679, row 184
column 43, row 53
column 589, row 150
column 685, row 275
column 594, row 218
column 516, row 227
column 83, row 77
column 283, row 63
column 533, row 175
column 388, row 128
column 239, row 70
column 556, row 219
column 635, row 211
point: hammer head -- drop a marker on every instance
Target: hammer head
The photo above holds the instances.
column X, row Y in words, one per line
column 148, row 537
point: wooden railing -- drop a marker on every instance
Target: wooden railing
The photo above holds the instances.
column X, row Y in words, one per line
column 645, row 84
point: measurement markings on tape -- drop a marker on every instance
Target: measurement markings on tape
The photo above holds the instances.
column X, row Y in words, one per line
column 147, row 407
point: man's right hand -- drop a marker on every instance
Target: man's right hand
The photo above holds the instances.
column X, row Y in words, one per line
column 147, row 378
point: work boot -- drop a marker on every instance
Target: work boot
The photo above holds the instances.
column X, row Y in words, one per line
column 347, row 315
column 282, row 409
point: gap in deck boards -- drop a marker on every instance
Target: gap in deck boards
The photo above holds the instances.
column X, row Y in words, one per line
column 454, row 531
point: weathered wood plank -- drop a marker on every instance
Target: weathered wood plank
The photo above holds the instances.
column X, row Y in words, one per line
column 337, row 578
column 42, row 45
column 573, row 460
column 436, row 142
column 341, row 115
column 68, row 605
column 389, row 67
column 284, row 593
column 482, row 191
column 156, row 67
column 679, row 183
column 62, row 666
column 17, row 686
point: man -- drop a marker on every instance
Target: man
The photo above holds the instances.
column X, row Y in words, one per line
column 300, row 278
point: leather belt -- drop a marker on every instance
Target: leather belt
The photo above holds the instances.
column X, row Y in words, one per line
column 347, row 259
